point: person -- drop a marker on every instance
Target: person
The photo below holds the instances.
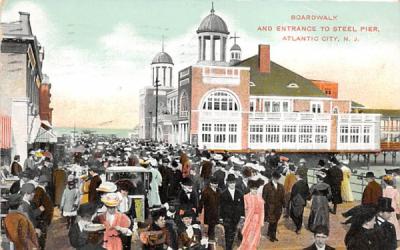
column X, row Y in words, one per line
column 372, row 191
column 95, row 234
column 70, row 201
column 290, row 180
column 334, row 178
column 85, row 189
column 298, row 200
column 156, row 235
column 391, row 192
column 42, row 198
column 163, row 189
column 126, row 206
column 184, row 160
column 94, row 184
column 385, row 211
column 174, row 176
column 272, row 160
column 78, row 237
column 115, row 223
column 321, row 235
column 205, row 173
column 16, row 167
column 274, row 196
column 26, row 207
column 59, row 181
column 18, row 227
column 303, row 170
column 362, row 233
column 188, row 198
column 231, row 210
column 320, row 194
column 254, row 217
column 220, row 174
column 30, row 163
column 189, row 235
column 153, row 196
column 209, row 201
column 347, row 194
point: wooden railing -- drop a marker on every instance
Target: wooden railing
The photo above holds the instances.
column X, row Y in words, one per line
column 390, row 146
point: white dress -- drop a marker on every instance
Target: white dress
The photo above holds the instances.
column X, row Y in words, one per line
column 153, row 195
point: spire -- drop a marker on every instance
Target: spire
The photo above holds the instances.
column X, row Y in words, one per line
column 212, row 8
column 234, row 38
column 162, row 43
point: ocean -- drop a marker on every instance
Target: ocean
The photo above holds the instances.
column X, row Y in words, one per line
column 118, row 132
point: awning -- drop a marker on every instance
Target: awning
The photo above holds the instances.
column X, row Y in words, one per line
column 5, row 132
column 46, row 136
column 46, row 123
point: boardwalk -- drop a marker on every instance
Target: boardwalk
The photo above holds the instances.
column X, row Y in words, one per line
column 288, row 239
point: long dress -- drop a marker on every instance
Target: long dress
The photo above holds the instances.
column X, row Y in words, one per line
column 319, row 214
column 156, row 180
column 347, row 194
column 391, row 192
column 254, row 212
column 112, row 239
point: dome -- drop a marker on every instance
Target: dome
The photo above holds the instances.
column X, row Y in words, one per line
column 213, row 23
column 236, row 47
column 162, row 57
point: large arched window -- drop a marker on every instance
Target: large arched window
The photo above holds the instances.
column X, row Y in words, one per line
column 220, row 101
column 184, row 104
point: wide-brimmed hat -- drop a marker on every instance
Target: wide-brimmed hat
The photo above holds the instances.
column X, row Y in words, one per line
column 345, row 162
column 231, row 178
column 255, row 183
column 111, row 199
column 237, row 161
column 385, row 204
column 15, row 199
column 187, row 213
column 302, row 160
column 94, row 227
column 107, row 187
column 87, row 209
column 27, row 188
column 370, row 175
column 218, row 157
column 43, row 179
column 214, row 180
column 187, row 182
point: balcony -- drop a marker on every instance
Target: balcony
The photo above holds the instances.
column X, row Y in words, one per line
column 292, row 116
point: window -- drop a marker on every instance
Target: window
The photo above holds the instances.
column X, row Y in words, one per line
column 267, row 106
column 219, row 136
column 289, row 133
column 316, row 107
column 321, row 134
column 256, row 133
column 367, row 135
column 206, row 132
column 285, row 106
column 252, row 106
column 344, row 134
column 305, row 134
column 354, row 134
column 272, row 133
column 220, row 101
column 184, row 104
column 276, row 106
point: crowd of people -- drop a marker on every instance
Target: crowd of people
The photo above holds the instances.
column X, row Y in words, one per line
column 192, row 193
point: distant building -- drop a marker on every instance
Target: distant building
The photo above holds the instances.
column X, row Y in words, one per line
column 255, row 103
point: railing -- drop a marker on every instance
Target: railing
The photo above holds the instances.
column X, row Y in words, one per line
column 289, row 116
column 352, row 117
column 390, row 146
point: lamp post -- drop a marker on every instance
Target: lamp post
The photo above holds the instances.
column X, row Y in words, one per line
column 157, row 85
column 151, row 122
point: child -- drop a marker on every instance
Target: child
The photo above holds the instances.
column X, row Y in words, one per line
column 70, row 201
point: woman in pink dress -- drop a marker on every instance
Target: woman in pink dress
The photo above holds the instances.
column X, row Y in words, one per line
column 391, row 192
column 254, row 213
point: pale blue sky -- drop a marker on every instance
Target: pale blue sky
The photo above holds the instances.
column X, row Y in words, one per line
column 98, row 52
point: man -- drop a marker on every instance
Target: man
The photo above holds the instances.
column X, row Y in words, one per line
column 272, row 160
column 231, row 210
column 18, row 227
column 16, row 167
column 78, row 237
column 372, row 191
column 321, row 234
column 189, row 234
column 94, row 184
column 26, row 206
column 274, row 197
column 334, row 179
column 42, row 198
column 188, row 198
column 174, row 177
column 384, row 212
column 220, row 174
column 298, row 200
column 210, row 202
column 25, row 177
column 303, row 170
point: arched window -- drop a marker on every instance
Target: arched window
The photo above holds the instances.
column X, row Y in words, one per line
column 220, row 101
column 184, row 105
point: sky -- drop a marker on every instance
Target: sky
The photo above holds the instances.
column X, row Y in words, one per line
column 98, row 52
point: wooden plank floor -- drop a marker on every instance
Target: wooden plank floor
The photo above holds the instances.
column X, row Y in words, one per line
column 288, row 239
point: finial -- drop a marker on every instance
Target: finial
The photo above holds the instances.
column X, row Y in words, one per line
column 234, row 38
column 212, row 8
column 162, row 44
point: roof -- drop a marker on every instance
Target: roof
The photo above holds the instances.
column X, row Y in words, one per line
column 236, row 47
column 162, row 57
column 356, row 105
column 384, row 112
column 213, row 23
column 275, row 83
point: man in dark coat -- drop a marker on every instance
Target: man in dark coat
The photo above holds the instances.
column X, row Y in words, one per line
column 210, row 202
column 94, row 184
column 372, row 192
column 384, row 212
column 24, row 176
column 334, row 178
column 220, row 175
column 188, row 198
column 274, row 197
column 27, row 192
column 321, row 235
column 302, row 170
column 78, row 237
column 174, row 177
column 163, row 189
column 272, row 160
column 298, row 200
column 231, row 210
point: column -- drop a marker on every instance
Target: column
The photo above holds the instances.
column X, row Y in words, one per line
column 212, row 50
column 170, row 76
column 203, row 49
column 164, row 73
column 221, row 49
column 152, row 69
column 157, row 74
column 200, row 43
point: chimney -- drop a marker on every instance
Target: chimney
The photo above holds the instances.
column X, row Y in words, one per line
column 264, row 63
column 24, row 18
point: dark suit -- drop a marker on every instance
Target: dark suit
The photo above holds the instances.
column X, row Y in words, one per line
column 15, row 187
column 41, row 198
column 314, row 247
column 371, row 193
column 298, row 200
column 210, row 202
column 77, row 238
column 186, row 203
column 388, row 230
column 94, row 183
column 274, row 201
column 220, row 175
column 334, row 179
column 32, row 213
column 230, row 210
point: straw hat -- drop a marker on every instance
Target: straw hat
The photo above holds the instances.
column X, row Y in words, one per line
column 111, row 199
column 107, row 187
column 94, row 227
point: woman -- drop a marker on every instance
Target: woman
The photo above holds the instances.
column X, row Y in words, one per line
column 184, row 160
column 85, row 189
column 290, row 180
column 347, row 194
column 320, row 193
column 391, row 192
column 254, row 213
column 70, row 201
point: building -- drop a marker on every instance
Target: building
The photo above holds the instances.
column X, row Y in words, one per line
column 258, row 104
column 21, row 79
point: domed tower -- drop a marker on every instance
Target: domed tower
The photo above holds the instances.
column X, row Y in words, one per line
column 212, row 34
column 161, row 68
column 236, row 52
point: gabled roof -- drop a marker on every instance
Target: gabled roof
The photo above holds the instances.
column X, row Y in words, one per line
column 276, row 82
column 356, row 105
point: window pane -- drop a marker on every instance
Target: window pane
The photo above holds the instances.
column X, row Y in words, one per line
column 285, row 107
column 275, row 107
